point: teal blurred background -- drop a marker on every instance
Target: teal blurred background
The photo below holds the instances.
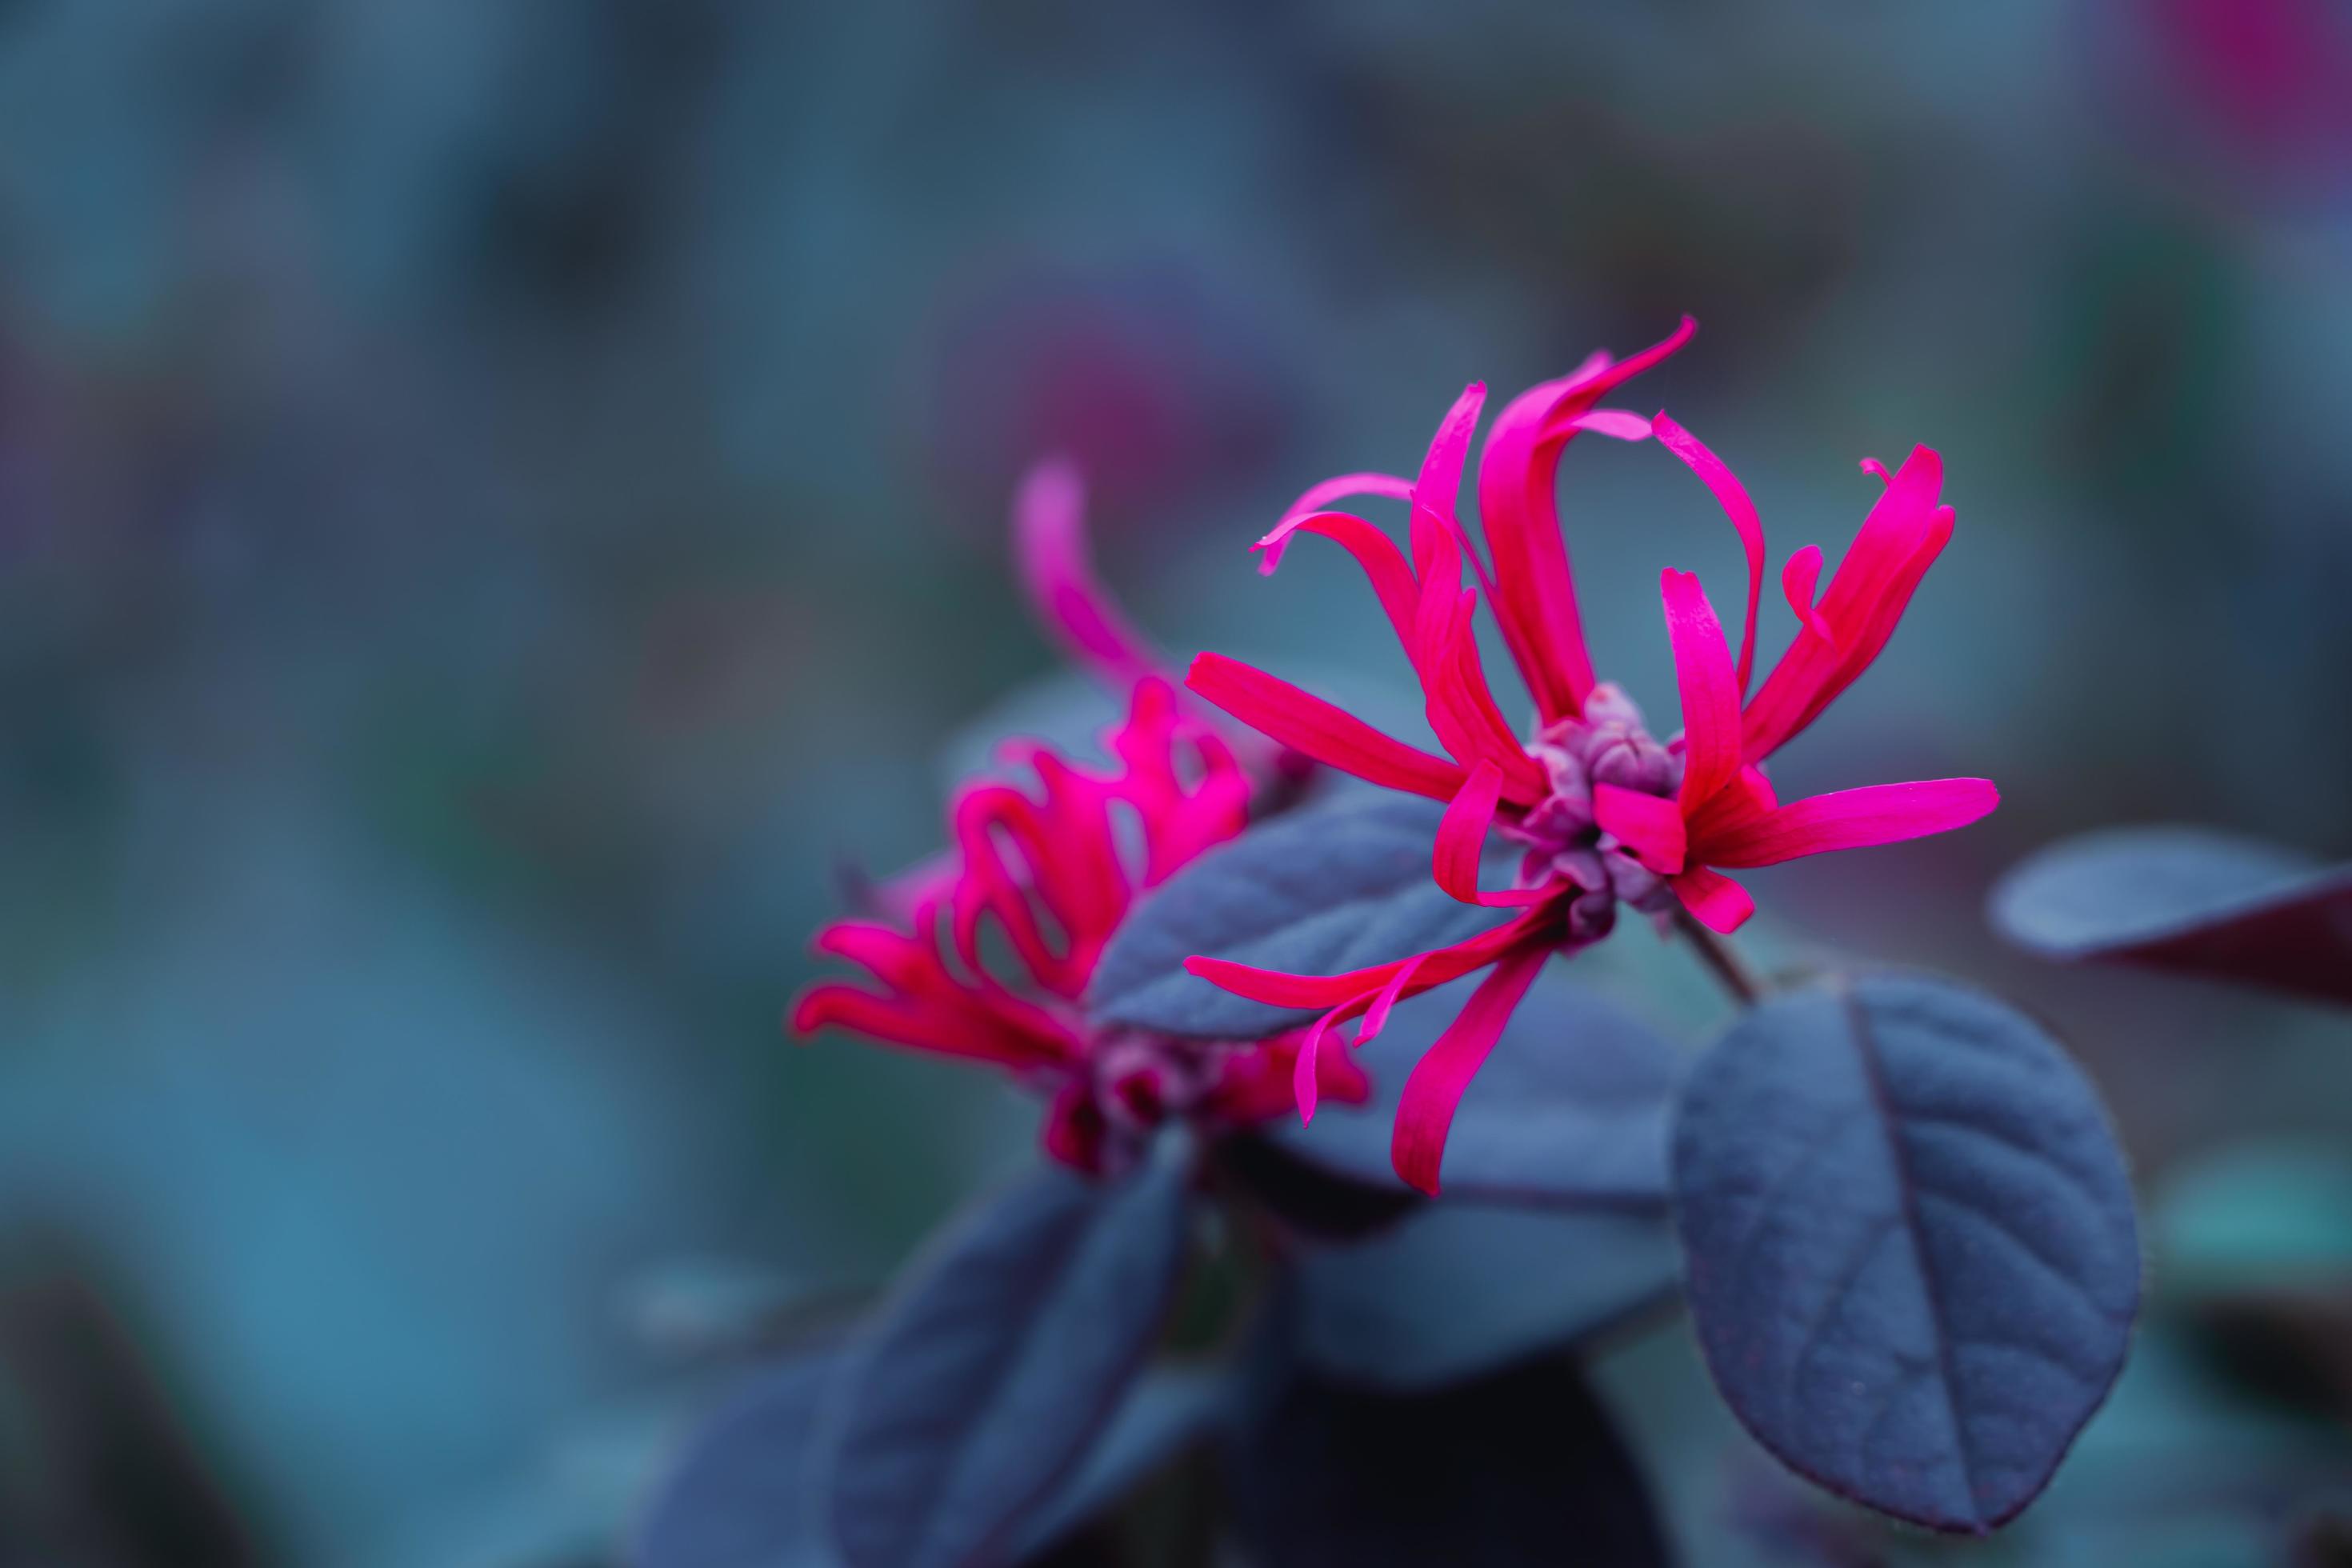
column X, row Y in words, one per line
column 496, row 502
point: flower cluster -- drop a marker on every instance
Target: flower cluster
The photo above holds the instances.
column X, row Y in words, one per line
column 986, row 953
column 1603, row 812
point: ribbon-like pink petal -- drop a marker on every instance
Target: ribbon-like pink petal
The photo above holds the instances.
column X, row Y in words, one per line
column 1711, row 691
column 1900, row 539
column 1439, row 485
column 1435, row 1089
column 1717, row 901
column 1533, row 592
column 1319, row 497
column 1801, row 577
column 1384, row 563
column 1361, row 989
column 1732, row 497
column 1282, row 712
column 1650, row 826
column 1850, row 819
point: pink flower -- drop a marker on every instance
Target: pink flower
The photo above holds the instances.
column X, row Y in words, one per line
column 1602, row 812
column 1004, row 934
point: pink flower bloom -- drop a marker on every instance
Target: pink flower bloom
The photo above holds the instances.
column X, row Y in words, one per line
column 1604, row 812
column 1003, row 937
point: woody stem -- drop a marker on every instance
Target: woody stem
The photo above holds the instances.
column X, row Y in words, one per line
column 1723, row 959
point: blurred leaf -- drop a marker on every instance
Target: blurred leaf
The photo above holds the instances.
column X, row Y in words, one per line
column 1324, row 889
column 1164, row 1414
column 1911, row 1255
column 1570, row 1110
column 1523, row 1468
column 1458, row 1291
column 997, row 1361
column 2187, row 900
column 739, row 1496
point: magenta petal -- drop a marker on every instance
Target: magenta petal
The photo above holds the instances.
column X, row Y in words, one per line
column 1462, row 832
column 1425, row 1110
column 1050, row 551
column 1531, row 587
column 1384, row 563
column 1901, row 538
column 1305, row 1069
column 1648, row 825
column 1851, row 819
column 1320, row 496
column 1619, row 424
column 1376, row 1018
column 1281, row 711
column 1716, row 900
column 1801, row 578
column 1732, row 497
column 1439, row 485
column 1711, row 691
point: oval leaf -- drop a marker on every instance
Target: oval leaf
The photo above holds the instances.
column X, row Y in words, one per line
column 1910, row 1253
column 1321, row 890
column 1570, row 1110
column 1514, row 1471
column 739, row 1496
column 990, row 1372
column 2187, row 900
column 1164, row 1414
column 1456, row 1291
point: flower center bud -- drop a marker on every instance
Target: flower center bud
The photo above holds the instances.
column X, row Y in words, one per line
column 1607, row 743
column 1138, row 1080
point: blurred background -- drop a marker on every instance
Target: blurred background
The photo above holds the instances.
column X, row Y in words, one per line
column 499, row 501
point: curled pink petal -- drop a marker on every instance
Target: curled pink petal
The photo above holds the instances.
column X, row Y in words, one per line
column 1319, row 497
column 1619, row 424
column 1462, row 842
column 1650, row 826
column 1851, row 819
column 1376, row 1017
column 1714, row 901
column 1050, row 551
column 1281, row 711
column 1311, row 1068
column 1732, row 497
column 1439, row 485
column 1744, row 798
column 1710, row 692
column 1462, row 832
column 1533, row 593
column 1362, row 988
column 1801, row 577
column 1901, row 538
column 1876, row 470
column 1384, row 563
column 1433, row 1090
column 1306, row 1068
column 1461, row 706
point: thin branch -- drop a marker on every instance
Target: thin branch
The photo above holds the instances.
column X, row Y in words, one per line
column 1723, row 959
